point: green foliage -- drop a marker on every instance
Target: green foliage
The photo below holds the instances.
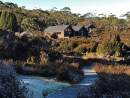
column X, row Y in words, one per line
column 67, row 9
column 110, row 46
column 80, row 49
column 8, row 21
column 70, row 46
column 32, row 24
column 65, row 16
column 62, row 17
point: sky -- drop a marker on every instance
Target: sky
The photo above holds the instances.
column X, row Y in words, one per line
column 117, row 7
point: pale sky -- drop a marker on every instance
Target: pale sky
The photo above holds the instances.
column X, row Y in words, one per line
column 117, row 7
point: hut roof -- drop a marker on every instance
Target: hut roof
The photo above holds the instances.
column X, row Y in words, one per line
column 58, row 28
column 77, row 28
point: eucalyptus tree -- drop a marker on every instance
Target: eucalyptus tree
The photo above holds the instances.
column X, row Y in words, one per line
column 32, row 24
column 8, row 21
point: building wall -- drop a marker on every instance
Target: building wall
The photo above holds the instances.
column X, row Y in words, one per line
column 81, row 33
column 48, row 34
column 61, row 35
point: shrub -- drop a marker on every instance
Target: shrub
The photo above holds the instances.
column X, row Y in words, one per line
column 80, row 49
column 10, row 87
column 68, row 45
column 110, row 46
column 112, row 79
column 53, row 56
column 92, row 46
column 112, row 84
column 77, row 45
column 69, row 73
column 43, row 57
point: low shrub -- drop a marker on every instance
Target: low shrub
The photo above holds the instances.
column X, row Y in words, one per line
column 69, row 73
column 92, row 47
column 110, row 46
column 109, row 86
column 112, row 69
column 67, row 45
column 113, row 81
column 80, row 49
column 112, row 84
column 61, row 71
column 43, row 57
column 76, row 45
column 10, row 86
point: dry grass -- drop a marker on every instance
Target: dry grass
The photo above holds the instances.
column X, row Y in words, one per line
column 112, row 69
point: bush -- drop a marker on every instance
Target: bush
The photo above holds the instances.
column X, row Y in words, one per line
column 68, row 45
column 112, row 79
column 92, row 46
column 43, row 57
column 63, row 72
column 10, row 87
column 111, row 84
column 110, row 46
column 69, row 73
column 80, row 49
column 77, row 45
column 53, row 56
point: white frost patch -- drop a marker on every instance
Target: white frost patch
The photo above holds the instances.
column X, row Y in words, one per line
column 38, row 86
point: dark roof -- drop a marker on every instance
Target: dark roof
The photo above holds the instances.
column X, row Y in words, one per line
column 58, row 28
column 77, row 28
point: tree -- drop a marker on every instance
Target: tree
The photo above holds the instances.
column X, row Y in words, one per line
column 66, row 9
column 1, row 3
column 127, row 15
column 32, row 24
column 11, row 5
column 89, row 15
column 8, row 21
column 54, row 9
column 62, row 17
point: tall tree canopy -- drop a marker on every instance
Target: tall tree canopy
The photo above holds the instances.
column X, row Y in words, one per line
column 32, row 24
column 8, row 21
